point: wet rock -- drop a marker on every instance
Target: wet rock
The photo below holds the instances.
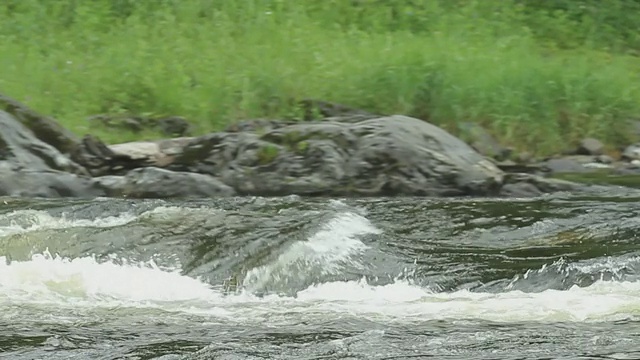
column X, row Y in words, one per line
column 30, row 167
column 154, row 182
column 44, row 128
column 483, row 142
column 100, row 160
column 590, row 146
column 524, row 157
column 168, row 126
column 27, row 182
column 173, row 126
column 569, row 164
column 605, row 159
column 631, row 152
column 19, row 146
column 528, row 185
column 514, row 167
column 158, row 153
column 395, row 155
column 630, row 168
column 33, row 168
column 520, row 189
column 348, row 153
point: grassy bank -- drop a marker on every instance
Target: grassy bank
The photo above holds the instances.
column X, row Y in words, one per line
column 537, row 78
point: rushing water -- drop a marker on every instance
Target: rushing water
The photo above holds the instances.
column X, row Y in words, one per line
column 293, row 278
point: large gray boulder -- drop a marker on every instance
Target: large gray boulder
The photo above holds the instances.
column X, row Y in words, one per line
column 395, row 155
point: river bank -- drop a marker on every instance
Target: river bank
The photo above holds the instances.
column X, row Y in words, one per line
column 348, row 152
column 539, row 76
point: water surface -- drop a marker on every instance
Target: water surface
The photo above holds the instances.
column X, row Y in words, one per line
column 294, row 278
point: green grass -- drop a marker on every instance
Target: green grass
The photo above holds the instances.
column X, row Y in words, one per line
column 218, row 62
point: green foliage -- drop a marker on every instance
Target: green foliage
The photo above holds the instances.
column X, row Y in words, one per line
column 610, row 25
column 537, row 73
column 268, row 153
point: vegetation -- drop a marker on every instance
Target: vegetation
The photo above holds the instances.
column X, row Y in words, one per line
column 267, row 154
column 537, row 73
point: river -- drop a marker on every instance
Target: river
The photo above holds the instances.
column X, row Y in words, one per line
column 554, row 277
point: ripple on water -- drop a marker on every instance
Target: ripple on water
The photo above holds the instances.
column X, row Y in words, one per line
column 321, row 279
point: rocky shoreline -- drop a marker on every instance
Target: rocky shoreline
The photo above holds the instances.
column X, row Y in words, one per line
column 345, row 153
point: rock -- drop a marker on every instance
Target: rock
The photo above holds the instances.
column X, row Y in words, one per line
column 605, row 159
column 27, row 182
column 514, row 167
column 173, row 126
column 631, row 168
column 257, row 125
column 483, row 142
column 168, row 126
column 590, row 146
column 528, row 185
column 346, row 154
column 524, row 157
column 520, row 189
column 20, row 147
column 317, row 109
column 632, row 152
column 158, row 153
column 43, row 128
column 153, row 182
column 569, row 164
column 100, row 160
column 129, row 123
column 395, row 155
column 31, row 168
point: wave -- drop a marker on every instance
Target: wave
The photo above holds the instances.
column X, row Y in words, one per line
column 325, row 253
column 305, row 280
column 85, row 282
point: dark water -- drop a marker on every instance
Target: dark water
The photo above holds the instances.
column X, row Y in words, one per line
column 291, row 278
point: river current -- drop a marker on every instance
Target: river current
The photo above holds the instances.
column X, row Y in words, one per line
column 554, row 277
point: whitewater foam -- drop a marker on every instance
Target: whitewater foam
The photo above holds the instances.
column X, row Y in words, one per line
column 85, row 282
column 324, row 253
column 24, row 221
column 52, row 281
column 55, row 280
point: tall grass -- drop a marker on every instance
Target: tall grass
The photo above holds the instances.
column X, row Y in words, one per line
column 217, row 62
